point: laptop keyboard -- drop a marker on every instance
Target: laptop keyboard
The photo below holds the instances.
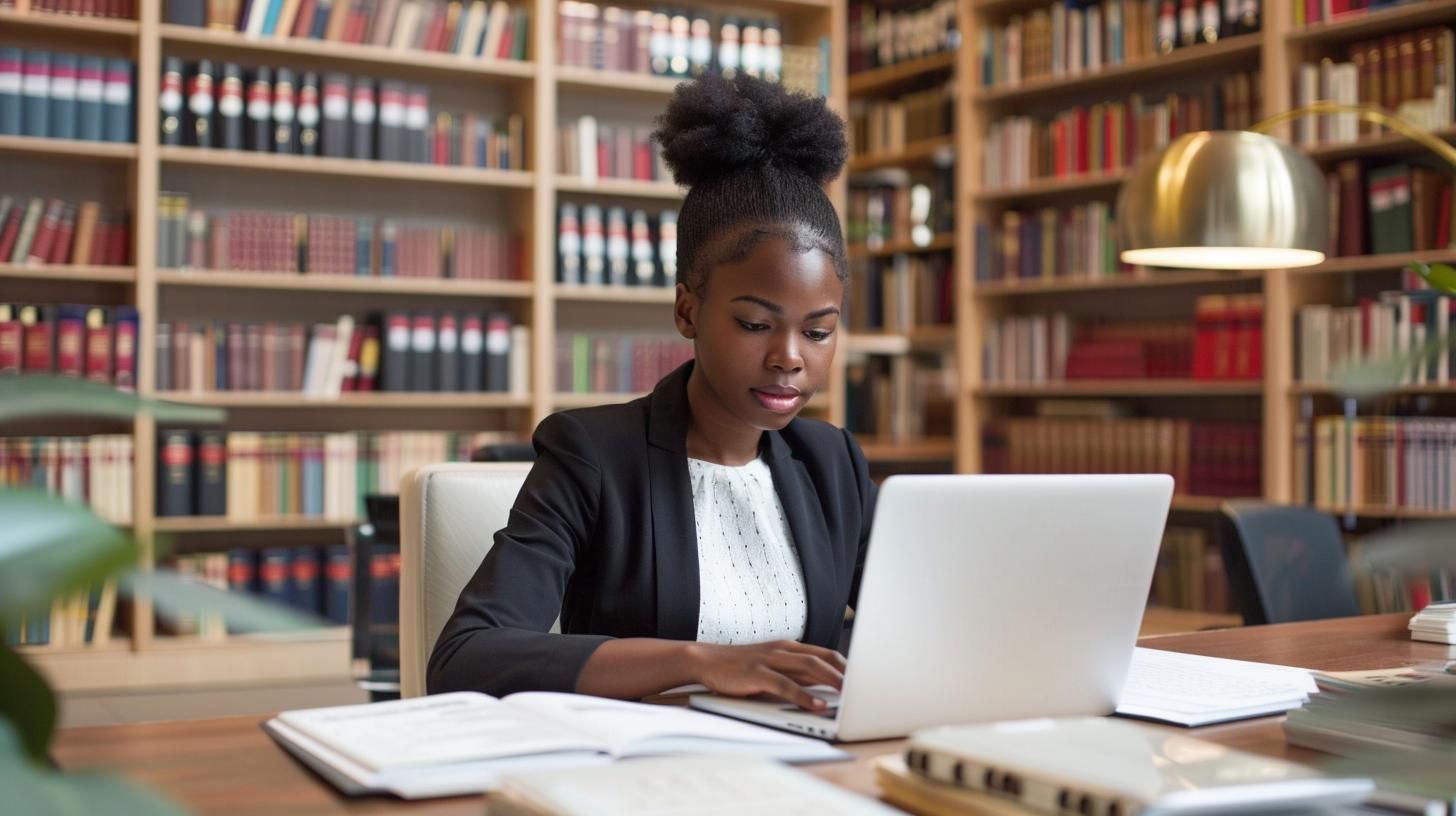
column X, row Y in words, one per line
column 828, row 695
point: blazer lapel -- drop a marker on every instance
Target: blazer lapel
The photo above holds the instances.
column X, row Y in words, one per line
column 674, row 529
column 811, row 539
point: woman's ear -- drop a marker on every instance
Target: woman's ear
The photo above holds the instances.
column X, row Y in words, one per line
column 685, row 312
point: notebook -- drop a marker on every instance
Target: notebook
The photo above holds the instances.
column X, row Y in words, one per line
column 461, row 743
column 1194, row 690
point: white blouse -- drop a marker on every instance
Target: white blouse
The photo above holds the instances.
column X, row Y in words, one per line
column 751, row 585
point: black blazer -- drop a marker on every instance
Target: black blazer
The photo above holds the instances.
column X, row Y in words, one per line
column 603, row 534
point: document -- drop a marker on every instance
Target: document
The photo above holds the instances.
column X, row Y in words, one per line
column 1193, row 690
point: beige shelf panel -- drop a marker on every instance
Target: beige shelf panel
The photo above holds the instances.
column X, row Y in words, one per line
column 929, row 449
column 1374, row 23
column 69, row 24
column 1014, row 288
column 1068, row 187
column 615, row 82
column 347, row 168
column 84, row 274
column 1128, row 388
column 1376, row 146
column 893, row 77
column 616, row 294
column 570, row 400
column 368, row 399
column 940, row 242
column 628, row 188
column 284, row 283
column 223, row 524
column 1375, row 263
column 916, row 154
column 69, row 148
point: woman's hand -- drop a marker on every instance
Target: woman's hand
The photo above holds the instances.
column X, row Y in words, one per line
column 781, row 668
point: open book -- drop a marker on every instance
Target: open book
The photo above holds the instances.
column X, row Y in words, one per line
column 461, row 743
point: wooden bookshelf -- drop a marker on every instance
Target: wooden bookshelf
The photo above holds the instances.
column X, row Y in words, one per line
column 1111, row 283
column 1070, row 188
column 236, row 160
column 615, row 82
column 567, row 399
column 414, row 401
column 627, row 188
column 616, row 294
column 915, row 154
column 1376, row 512
column 1198, row 504
column 1374, row 23
column 893, row 77
column 927, row 338
column 69, row 148
column 1326, row 390
column 86, row 28
column 1388, row 144
column 271, row 281
column 81, row 274
column 927, row 450
column 1151, row 387
column 1375, row 263
column 939, row 243
column 223, row 524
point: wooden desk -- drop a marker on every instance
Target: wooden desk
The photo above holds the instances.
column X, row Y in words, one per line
column 229, row 766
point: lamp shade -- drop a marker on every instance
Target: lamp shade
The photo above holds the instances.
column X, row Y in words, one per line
column 1227, row 199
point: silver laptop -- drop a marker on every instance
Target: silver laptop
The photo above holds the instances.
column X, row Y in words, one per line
column 989, row 598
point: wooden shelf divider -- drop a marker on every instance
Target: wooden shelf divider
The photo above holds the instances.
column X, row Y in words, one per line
column 892, row 77
column 452, row 287
column 66, row 272
column 628, row 188
column 616, row 294
column 1043, row 286
column 121, row 30
column 939, row 243
column 615, row 82
column 915, row 154
column 69, row 148
column 352, row 399
column 1151, row 387
column 1375, row 22
column 351, row 168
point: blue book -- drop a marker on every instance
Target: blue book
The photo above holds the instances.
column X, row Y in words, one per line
column 305, row 575
column 273, row 581
column 338, row 578
column 35, row 89
column 90, row 91
column 242, row 571
column 364, row 244
column 11, row 71
column 120, row 114
column 63, row 96
column 321, row 19
column 387, row 234
column 270, row 20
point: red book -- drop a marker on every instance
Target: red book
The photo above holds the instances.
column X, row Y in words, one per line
column 1207, row 317
column 98, row 346
column 125, row 344
column 507, row 40
column 38, row 325
column 435, row 36
column 65, row 232
column 353, row 370
column 10, row 340
column 1420, row 593
column 1083, row 140
column 70, row 341
column 45, row 236
column 303, row 23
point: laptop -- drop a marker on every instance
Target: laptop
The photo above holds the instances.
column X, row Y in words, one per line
column 989, row 598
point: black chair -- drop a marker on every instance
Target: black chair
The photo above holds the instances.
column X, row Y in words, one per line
column 374, row 616
column 504, row 452
column 1285, row 563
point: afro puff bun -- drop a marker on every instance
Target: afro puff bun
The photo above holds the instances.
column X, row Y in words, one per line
column 714, row 126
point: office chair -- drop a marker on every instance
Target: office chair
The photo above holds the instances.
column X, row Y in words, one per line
column 449, row 514
column 1285, row 563
column 504, row 452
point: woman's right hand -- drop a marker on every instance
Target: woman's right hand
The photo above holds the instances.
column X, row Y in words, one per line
column 781, row 668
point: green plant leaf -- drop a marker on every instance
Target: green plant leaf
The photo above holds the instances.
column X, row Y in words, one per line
column 34, row 790
column 175, row 595
column 1438, row 275
column 49, row 547
column 1371, row 378
column 27, row 703
column 32, row 396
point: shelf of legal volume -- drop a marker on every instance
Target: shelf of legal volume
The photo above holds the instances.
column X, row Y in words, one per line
column 919, row 153
column 350, row 168
column 1151, row 387
column 615, row 82
column 892, row 77
column 72, row 148
column 630, row 188
column 1076, row 186
column 1373, row 146
column 372, row 57
column 1421, row 389
column 1199, row 504
column 616, row 294
column 70, row 24
column 82, row 274
column 940, row 242
column 1372, row 23
column 370, row 399
column 1238, row 49
column 1377, row 263
column 922, row 338
column 1042, row 286
column 342, row 283
column 224, row 524
column 1382, row 512
column 932, row 449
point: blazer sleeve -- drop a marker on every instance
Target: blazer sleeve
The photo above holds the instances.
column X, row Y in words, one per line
column 868, row 492
column 498, row 639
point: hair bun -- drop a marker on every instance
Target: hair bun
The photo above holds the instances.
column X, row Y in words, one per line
column 714, row 126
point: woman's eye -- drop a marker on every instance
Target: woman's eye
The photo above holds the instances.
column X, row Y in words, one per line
column 818, row 335
column 753, row 327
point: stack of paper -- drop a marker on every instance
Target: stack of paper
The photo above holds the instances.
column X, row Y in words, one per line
column 1193, row 690
column 1436, row 623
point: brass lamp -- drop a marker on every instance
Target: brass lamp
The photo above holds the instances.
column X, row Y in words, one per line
column 1238, row 199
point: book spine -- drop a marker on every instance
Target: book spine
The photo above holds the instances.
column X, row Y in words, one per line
column 211, row 475
column 90, row 91
column 174, row 474
column 70, row 341
column 260, row 111
column 284, row 112
column 200, row 129
column 35, row 90
column 497, row 353
column 118, row 101
column 63, row 97
column 11, row 91
column 338, row 581
column 308, row 115
column 362, row 114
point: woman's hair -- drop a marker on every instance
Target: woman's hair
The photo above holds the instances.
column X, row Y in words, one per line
column 755, row 158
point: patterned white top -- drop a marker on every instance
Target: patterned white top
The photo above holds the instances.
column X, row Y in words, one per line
column 751, row 584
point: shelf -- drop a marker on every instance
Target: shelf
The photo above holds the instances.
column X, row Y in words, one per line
column 1374, row 23
column 569, row 400
column 81, row 274
column 70, row 148
column 1208, row 57
column 941, row 242
column 1037, row 286
column 998, row 7
column 915, row 154
column 616, row 82
column 343, row 283
column 1376, row 146
column 935, row 449
column 1199, row 504
column 924, row 338
column 349, row 168
column 621, row 187
column 95, row 27
column 1078, row 186
column 1390, row 512
column 616, row 294
column 893, row 77
column 1150, row 387
column 370, row 57
column 223, row 524
column 372, row 399
column 1376, row 263
column 1325, row 390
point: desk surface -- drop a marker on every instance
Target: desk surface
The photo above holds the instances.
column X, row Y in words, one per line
column 229, row 766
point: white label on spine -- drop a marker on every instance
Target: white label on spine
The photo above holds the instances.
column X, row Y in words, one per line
column 118, row 93
column 87, row 90
column 9, row 83
column 308, row 115
column 363, row 110
column 258, row 109
column 399, row 338
column 447, row 341
column 200, row 104
column 336, row 106
column 417, row 117
column 36, row 84
column 471, row 341
column 230, row 105
column 498, row 340
column 170, row 101
column 424, row 338
column 391, row 114
column 283, row 110
column 63, row 87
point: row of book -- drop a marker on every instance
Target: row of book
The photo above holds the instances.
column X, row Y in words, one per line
column 1390, row 325
column 1320, row 11
column 114, row 9
column 1189, row 573
column 893, row 206
column 1383, row 590
column 55, row 231
column 1072, row 38
column 901, row 398
column 886, row 126
column 1204, row 458
column 98, row 343
column 487, row 30
column 667, row 42
column 339, row 116
column 883, row 34
column 321, row 244
column 903, row 293
column 1376, row 463
column 75, row 621
column 611, row 251
column 1075, row 242
column 589, row 149
column 1035, row 349
column 394, row 352
column 1111, row 135
column 92, row 470
column 1389, row 208
column 313, row 580
column 64, row 96
column 616, row 363
column 247, row 476
column 1408, row 74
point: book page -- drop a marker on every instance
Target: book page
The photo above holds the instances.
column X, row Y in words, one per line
column 441, row 729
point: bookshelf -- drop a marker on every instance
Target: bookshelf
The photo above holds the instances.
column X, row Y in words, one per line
column 542, row 91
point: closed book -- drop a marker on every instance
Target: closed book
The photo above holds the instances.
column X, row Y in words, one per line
column 364, row 247
column 382, row 595
column 307, row 578
column 273, row 581
column 393, row 100
column 90, row 90
column 39, row 248
column 593, row 246
column 617, row 247
column 63, row 97
column 388, row 249
column 242, row 570
column 119, row 113
column 170, row 101
column 395, row 360
column 338, row 578
column 1391, row 212
column 334, row 125
column 362, row 113
column 200, row 100
column 97, row 344
column 35, row 92
column 60, row 253
column 448, row 354
column 185, row 12
column 174, row 474
column 285, row 127
column 11, row 81
column 423, row 336
column 498, row 352
column 472, row 351
column 210, row 475
column 27, row 225
column 311, row 473
column 70, row 341
column 11, row 339
column 568, row 246
column 259, row 112
column 230, row 107
column 416, row 124
column 308, row 114
column 124, row 344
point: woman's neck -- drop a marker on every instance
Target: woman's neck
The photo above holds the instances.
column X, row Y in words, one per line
column 714, row 434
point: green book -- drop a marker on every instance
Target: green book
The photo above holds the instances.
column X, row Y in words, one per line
column 581, row 364
column 1391, row 210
